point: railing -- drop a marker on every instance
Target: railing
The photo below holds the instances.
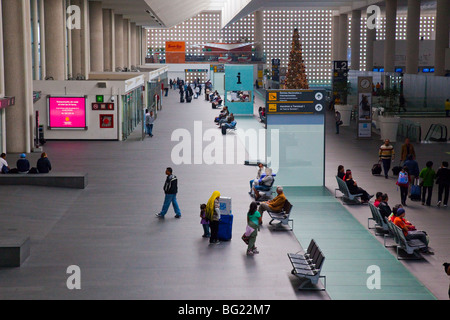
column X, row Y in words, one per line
column 437, row 133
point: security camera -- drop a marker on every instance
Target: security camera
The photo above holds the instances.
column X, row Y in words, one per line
column 112, row 98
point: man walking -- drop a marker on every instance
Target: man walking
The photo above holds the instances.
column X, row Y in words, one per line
column 149, row 119
column 386, row 155
column 170, row 190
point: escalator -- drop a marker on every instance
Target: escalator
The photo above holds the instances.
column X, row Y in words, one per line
column 436, row 133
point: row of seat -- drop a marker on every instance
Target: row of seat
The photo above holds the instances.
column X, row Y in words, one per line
column 347, row 197
column 308, row 267
column 390, row 230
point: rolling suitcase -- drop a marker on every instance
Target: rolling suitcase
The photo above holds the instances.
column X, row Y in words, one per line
column 224, row 129
column 376, row 169
column 416, row 192
column 396, row 170
column 188, row 99
column 225, row 227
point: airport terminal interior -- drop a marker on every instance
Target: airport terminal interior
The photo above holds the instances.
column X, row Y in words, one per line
column 120, row 118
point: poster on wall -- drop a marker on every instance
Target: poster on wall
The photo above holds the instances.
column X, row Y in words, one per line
column 365, row 107
column 67, row 113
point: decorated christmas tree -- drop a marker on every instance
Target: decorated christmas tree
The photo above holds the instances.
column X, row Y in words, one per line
column 296, row 74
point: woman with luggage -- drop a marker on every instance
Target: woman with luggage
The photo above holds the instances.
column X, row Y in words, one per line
column 403, row 182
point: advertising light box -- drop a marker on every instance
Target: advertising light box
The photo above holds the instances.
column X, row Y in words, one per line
column 67, row 112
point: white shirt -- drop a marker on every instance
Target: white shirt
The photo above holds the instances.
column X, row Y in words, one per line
column 3, row 163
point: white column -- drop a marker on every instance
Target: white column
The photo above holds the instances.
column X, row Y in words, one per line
column 109, row 40
column 343, row 37
column 96, row 36
column 133, row 45
column 355, row 42
column 412, row 36
column 118, row 43
column 442, row 36
column 335, row 39
column 16, row 18
column 389, row 42
column 54, row 35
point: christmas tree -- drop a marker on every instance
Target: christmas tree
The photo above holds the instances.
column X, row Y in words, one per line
column 296, row 74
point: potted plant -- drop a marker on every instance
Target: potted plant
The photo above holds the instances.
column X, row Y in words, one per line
column 388, row 122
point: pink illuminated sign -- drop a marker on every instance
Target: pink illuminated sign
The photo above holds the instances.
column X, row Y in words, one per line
column 67, row 112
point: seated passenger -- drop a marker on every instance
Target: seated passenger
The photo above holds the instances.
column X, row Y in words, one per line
column 43, row 164
column 23, row 165
column 391, row 218
column 4, row 168
column 223, row 114
column 229, row 125
column 354, row 189
column 263, row 184
column 341, row 172
column 377, row 199
column 384, row 208
column 274, row 205
column 258, row 176
column 228, row 119
column 410, row 234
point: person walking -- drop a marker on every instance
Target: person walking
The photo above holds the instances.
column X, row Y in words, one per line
column 407, row 150
column 254, row 220
column 213, row 216
column 427, row 175
column 403, row 182
column 443, row 182
column 386, row 154
column 149, row 120
column 337, row 119
column 170, row 190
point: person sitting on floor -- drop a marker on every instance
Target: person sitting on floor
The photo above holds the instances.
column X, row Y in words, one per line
column 23, row 165
column 43, row 164
column 353, row 187
column 274, row 205
column 4, row 168
column 263, row 184
column 399, row 221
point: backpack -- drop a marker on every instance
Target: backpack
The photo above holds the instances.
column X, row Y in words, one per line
column 402, row 178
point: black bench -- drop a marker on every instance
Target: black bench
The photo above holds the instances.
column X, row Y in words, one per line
column 74, row 180
column 308, row 267
column 283, row 215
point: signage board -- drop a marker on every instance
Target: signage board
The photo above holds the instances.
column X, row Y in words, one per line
column 67, row 112
column 295, row 101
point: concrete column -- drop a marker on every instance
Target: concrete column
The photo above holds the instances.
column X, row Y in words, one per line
column 126, row 43
column 442, row 36
column 138, row 46
column 96, row 36
column 144, row 44
column 335, row 39
column 371, row 38
column 355, row 42
column 35, row 17
column 389, row 42
column 55, row 50
column 77, row 47
column 133, row 61
column 412, row 36
column 109, row 40
column 42, row 35
column 16, row 18
column 118, row 43
column 259, row 34
column 343, row 37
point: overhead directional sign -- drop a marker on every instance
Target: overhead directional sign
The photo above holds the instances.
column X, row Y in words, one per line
column 295, row 101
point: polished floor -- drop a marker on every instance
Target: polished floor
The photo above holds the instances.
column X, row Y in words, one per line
column 124, row 252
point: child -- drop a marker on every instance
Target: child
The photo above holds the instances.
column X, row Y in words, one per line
column 204, row 222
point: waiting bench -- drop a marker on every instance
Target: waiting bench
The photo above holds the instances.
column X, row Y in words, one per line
column 74, row 180
column 283, row 216
column 347, row 196
column 308, row 266
column 409, row 246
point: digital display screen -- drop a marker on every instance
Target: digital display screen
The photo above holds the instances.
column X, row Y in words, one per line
column 67, row 112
